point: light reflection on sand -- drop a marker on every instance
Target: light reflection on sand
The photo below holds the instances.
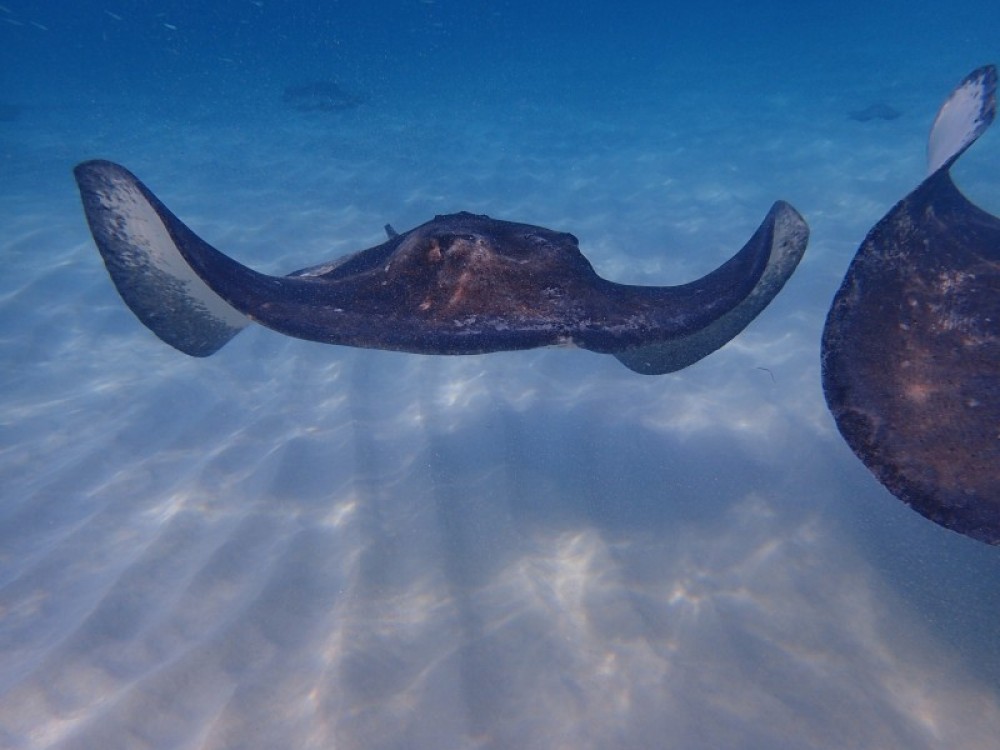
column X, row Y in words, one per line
column 324, row 562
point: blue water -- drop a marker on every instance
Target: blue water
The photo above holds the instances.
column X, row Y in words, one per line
column 296, row 545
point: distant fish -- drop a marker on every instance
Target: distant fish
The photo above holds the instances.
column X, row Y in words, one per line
column 114, row 15
column 876, row 111
column 320, row 96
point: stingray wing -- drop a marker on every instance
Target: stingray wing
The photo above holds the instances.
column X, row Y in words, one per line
column 141, row 243
column 911, row 347
column 781, row 239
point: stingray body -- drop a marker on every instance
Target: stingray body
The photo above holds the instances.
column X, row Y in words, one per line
column 459, row 284
column 911, row 347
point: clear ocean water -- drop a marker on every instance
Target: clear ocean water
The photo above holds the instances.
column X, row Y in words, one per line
column 291, row 545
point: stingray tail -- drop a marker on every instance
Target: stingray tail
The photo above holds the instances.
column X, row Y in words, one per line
column 965, row 116
column 141, row 242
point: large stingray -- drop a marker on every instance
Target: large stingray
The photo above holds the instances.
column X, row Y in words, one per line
column 459, row 284
column 911, row 348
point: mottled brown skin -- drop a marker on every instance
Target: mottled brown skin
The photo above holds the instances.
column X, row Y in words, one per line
column 464, row 283
column 911, row 357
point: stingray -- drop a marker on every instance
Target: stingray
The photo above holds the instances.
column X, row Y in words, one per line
column 911, row 347
column 458, row 284
column 876, row 111
column 320, row 96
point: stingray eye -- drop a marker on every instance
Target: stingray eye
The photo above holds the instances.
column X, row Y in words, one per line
column 536, row 240
column 551, row 239
column 434, row 251
column 447, row 242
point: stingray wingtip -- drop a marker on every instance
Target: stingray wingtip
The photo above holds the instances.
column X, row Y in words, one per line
column 965, row 115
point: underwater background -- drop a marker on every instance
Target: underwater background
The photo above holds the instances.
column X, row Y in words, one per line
column 297, row 545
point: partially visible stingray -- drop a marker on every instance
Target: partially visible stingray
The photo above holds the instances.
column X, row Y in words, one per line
column 459, row 284
column 320, row 96
column 911, row 348
column 876, row 111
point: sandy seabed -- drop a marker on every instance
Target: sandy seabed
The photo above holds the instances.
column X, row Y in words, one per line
column 295, row 545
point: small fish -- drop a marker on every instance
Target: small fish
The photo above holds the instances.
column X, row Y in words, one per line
column 114, row 15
